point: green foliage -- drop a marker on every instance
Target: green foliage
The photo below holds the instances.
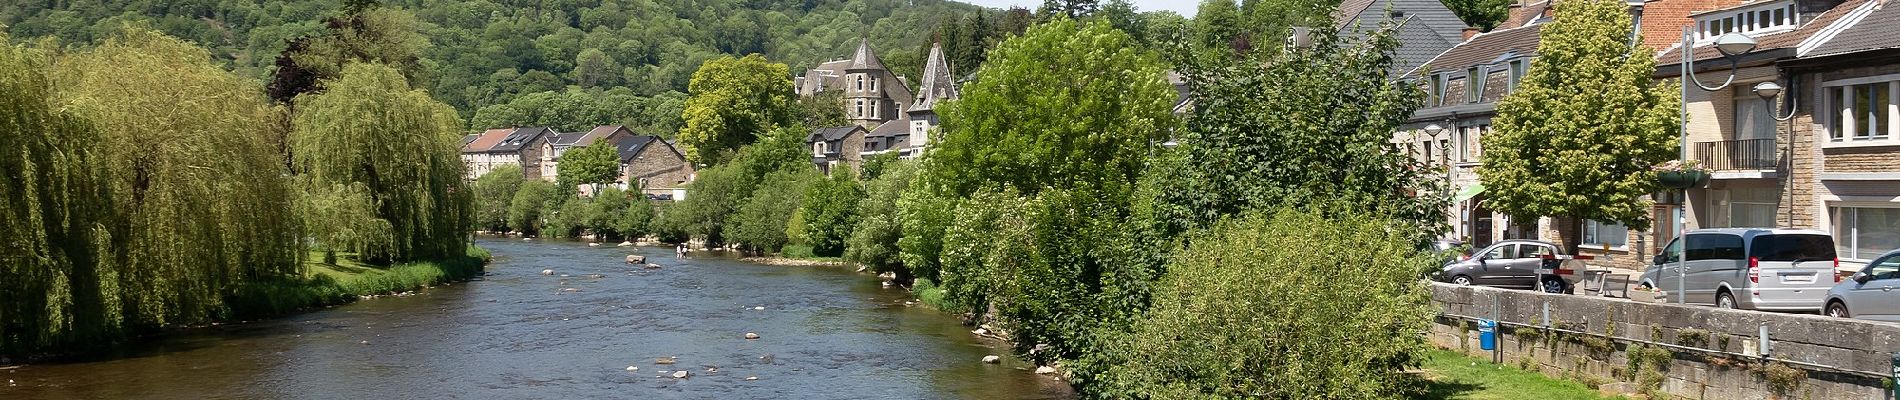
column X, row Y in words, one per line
column 597, row 163
column 720, row 191
column 577, row 110
column 1579, row 135
column 873, row 242
column 198, row 180
column 1310, row 138
column 1484, row 14
column 829, row 213
column 524, row 209
column 494, row 192
column 761, row 223
column 1067, row 104
column 1249, row 311
column 669, row 223
column 985, row 235
column 924, row 219
column 340, row 217
column 360, row 35
column 368, row 127
column 822, row 110
column 637, row 220
column 734, row 102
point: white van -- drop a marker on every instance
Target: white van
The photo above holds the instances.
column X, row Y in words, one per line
column 1748, row 268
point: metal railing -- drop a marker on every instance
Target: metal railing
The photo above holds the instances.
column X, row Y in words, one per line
column 1739, row 155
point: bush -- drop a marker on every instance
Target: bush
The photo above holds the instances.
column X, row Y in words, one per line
column 830, row 211
column 761, row 223
column 1288, row 305
column 924, row 219
column 873, row 242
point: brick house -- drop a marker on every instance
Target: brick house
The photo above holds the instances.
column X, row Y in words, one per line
column 1850, row 151
column 1827, row 170
column 654, row 166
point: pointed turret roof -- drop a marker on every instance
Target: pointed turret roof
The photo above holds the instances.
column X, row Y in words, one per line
column 938, row 82
column 864, row 58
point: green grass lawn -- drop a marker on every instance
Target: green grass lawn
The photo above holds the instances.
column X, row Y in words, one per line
column 1456, row 376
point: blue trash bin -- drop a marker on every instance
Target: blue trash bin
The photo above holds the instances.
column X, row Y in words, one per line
column 1487, row 334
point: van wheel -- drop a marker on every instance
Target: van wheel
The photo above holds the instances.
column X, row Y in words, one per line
column 1461, row 280
column 1724, row 300
column 1554, row 285
column 1837, row 309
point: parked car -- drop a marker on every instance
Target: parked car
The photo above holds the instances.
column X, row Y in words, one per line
column 1446, row 250
column 1747, row 268
column 1869, row 293
column 1518, row 264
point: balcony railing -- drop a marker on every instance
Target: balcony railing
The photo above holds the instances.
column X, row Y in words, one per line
column 1739, row 155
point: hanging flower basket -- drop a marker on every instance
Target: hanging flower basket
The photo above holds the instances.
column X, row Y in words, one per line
column 1681, row 175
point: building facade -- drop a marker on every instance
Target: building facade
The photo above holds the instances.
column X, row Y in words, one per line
column 885, row 115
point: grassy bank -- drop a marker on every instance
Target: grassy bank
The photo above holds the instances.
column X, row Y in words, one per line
column 1456, row 376
column 347, row 280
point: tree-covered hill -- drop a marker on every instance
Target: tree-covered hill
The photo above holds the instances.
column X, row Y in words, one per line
column 488, row 52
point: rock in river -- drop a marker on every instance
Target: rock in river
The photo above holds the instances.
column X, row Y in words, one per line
column 547, row 272
column 665, row 360
column 992, row 359
column 632, row 368
column 1045, row 370
column 750, row 335
column 680, row 374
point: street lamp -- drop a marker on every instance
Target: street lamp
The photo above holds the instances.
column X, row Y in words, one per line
column 1731, row 45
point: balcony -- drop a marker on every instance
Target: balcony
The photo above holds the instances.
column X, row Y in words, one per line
column 1740, row 159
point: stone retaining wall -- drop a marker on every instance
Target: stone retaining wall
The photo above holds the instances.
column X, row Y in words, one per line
column 1614, row 332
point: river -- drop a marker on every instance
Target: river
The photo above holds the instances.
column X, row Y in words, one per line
column 825, row 333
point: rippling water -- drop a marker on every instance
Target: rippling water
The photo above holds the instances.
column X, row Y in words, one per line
column 830, row 334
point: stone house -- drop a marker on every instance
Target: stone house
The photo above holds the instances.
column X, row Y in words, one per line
column 886, row 115
column 653, row 166
column 1463, row 85
column 1426, row 27
column 477, row 160
column 1775, row 161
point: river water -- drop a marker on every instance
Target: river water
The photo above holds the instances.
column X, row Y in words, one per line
column 825, row 333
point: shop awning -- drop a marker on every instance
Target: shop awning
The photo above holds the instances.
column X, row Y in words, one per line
column 1467, row 193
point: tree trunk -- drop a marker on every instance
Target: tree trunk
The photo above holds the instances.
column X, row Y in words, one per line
column 1570, row 229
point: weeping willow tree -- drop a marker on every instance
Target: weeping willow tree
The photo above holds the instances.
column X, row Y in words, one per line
column 369, row 128
column 56, row 285
column 195, row 177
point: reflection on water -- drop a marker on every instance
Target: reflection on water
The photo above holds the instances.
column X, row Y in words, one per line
column 829, row 333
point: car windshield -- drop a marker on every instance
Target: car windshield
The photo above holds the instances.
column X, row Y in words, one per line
column 1793, row 248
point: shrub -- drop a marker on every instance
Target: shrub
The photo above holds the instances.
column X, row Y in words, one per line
column 830, row 211
column 1286, row 305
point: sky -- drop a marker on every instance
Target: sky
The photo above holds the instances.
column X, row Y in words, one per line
column 1184, row 7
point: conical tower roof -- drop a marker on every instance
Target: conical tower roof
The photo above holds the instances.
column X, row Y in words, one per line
column 864, row 58
column 938, row 82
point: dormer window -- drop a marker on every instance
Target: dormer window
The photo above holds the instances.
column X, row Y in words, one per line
column 1474, row 85
column 1764, row 16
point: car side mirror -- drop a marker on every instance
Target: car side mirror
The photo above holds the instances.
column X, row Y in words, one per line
column 1658, row 260
column 1861, row 277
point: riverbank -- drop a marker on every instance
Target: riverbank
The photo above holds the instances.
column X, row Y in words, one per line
column 348, row 280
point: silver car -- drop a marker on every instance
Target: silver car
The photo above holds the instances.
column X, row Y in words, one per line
column 1747, row 268
column 1520, row 264
column 1869, row 293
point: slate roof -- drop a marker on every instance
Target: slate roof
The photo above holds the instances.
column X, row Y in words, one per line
column 519, row 138
column 832, row 133
column 589, row 137
column 1484, row 49
column 1867, row 27
column 1426, row 27
column 466, row 139
column 631, row 146
column 938, row 83
column 821, row 76
column 893, row 127
column 1773, row 41
column 488, row 140
column 864, row 58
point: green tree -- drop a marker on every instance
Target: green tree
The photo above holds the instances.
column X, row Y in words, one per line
column 734, row 102
column 369, row 127
column 494, row 191
column 1047, row 115
column 524, row 210
column 197, row 177
column 1484, row 14
column 57, row 279
column 638, row 220
column 760, row 224
column 593, row 164
column 1246, row 311
column 340, row 217
column 1578, row 137
column 873, row 242
column 594, row 68
column 360, row 34
column 829, row 213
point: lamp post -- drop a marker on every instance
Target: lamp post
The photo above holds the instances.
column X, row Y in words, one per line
column 1730, row 45
column 1434, row 130
column 1768, row 90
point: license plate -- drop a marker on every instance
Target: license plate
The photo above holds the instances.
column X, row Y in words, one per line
column 1797, row 278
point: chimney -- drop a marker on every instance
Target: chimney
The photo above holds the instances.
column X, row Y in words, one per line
column 1514, row 15
column 1550, row 10
column 1470, row 31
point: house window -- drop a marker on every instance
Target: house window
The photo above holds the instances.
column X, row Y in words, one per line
column 1517, row 73
column 875, row 109
column 874, row 85
column 1862, row 112
column 1862, row 233
column 1438, row 91
column 1752, row 119
column 1745, row 207
column 1474, row 85
column 859, row 111
column 1598, row 234
column 860, row 81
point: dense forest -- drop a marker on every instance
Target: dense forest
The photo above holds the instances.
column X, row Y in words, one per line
column 480, row 53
